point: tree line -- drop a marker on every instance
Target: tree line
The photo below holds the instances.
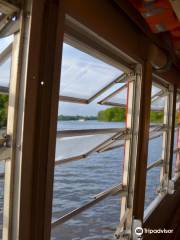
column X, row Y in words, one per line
column 116, row 114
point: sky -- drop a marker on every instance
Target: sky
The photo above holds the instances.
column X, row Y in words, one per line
column 5, row 67
column 82, row 75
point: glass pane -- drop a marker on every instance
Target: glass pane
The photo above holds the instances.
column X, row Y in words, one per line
column 4, row 43
column 117, row 98
column 153, row 175
column 75, row 146
column 5, row 69
column 113, row 145
column 158, row 104
column 155, row 146
column 155, row 90
column 155, row 131
column 83, row 75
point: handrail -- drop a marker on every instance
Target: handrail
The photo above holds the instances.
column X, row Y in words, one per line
column 99, row 197
column 83, row 132
column 158, row 95
column 156, row 163
column 107, row 142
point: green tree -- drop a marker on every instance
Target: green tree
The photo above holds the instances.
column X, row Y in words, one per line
column 3, row 110
column 114, row 114
column 117, row 114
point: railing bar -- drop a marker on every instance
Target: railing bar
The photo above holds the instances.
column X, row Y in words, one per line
column 156, row 136
column 83, row 156
column 161, row 91
column 158, row 95
column 114, row 93
column 119, row 79
column 155, row 164
column 106, row 148
column 5, row 53
column 71, row 133
column 71, row 159
column 77, row 211
column 113, row 104
column 73, row 99
column 112, row 190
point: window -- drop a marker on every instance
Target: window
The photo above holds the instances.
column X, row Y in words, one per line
column 5, row 69
column 83, row 75
column 157, row 170
column 90, row 146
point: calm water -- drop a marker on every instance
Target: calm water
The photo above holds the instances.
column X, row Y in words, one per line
column 77, row 182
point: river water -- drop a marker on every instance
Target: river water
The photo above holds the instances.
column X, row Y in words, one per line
column 77, row 182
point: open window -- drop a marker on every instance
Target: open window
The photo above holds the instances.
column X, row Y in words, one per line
column 92, row 142
column 6, row 123
column 159, row 143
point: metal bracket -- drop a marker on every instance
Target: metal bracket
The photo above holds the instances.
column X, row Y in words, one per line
column 132, row 75
column 137, row 230
column 121, row 233
column 124, row 135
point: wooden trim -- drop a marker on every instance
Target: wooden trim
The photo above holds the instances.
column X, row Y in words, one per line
column 125, row 36
column 141, row 168
column 40, row 119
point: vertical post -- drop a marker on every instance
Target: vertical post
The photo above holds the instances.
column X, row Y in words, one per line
column 131, row 144
column 168, row 137
column 15, row 125
column 142, row 151
column 40, row 119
